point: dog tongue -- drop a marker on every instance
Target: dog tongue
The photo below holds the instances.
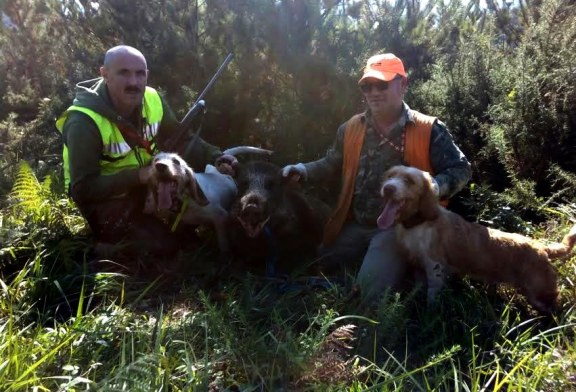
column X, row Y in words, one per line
column 386, row 218
column 165, row 195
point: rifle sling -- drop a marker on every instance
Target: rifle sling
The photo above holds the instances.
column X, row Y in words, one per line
column 133, row 138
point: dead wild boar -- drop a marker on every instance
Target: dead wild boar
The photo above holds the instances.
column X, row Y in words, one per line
column 272, row 220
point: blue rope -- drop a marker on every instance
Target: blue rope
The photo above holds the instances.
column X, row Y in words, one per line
column 272, row 257
column 290, row 285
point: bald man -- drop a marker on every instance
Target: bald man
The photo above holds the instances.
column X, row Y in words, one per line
column 113, row 128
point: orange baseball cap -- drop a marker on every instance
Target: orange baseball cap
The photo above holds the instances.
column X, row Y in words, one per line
column 383, row 67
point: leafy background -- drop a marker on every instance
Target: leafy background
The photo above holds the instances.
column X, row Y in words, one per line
column 501, row 74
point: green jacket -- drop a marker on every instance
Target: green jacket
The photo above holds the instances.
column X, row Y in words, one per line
column 83, row 140
column 117, row 153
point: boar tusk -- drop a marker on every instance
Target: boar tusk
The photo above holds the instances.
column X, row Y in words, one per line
column 247, row 150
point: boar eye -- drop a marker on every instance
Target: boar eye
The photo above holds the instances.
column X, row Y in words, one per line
column 242, row 184
column 269, row 183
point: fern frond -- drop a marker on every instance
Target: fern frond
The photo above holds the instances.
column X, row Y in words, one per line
column 36, row 203
column 27, row 190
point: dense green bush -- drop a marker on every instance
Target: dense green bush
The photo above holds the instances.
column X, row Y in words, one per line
column 502, row 78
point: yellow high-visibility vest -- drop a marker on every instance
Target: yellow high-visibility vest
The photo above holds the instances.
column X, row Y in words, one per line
column 117, row 154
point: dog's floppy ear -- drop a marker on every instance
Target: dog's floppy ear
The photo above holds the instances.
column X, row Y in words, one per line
column 428, row 199
column 195, row 191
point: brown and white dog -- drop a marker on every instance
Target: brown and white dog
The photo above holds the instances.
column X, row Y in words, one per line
column 439, row 239
column 171, row 181
column 208, row 195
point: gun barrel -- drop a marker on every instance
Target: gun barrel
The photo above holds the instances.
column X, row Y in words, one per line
column 216, row 76
column 194, row 110
column 199, row 106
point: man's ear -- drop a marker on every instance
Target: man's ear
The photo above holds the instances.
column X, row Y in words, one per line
column 103, row 72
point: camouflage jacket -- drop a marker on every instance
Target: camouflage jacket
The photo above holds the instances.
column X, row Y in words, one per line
column 452, row 169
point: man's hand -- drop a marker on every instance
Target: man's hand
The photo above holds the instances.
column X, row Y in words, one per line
column 435, row 187
column 295, row 172
column 226, row 164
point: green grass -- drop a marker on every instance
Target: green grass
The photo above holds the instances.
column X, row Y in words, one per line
column 247, row 335
column 65, row 325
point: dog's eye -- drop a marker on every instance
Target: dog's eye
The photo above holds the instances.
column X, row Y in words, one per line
column 176, row 161
column 409, row 180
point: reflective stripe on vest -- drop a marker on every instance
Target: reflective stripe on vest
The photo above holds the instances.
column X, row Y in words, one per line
column 117, row 154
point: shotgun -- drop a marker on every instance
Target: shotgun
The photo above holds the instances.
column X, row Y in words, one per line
column 199, row 106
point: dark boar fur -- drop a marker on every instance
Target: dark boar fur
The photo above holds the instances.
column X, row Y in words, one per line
column 273, row 220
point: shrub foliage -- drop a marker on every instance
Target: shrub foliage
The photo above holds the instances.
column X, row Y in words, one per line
column 501, row 76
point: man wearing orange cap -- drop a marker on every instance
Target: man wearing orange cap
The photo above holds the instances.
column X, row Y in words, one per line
column 388, row 133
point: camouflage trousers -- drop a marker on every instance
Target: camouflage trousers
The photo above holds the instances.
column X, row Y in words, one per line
column 382, row 265
column 122, row 221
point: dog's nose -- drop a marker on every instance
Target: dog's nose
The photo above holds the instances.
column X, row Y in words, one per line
column 388, row 189
column 161, row 167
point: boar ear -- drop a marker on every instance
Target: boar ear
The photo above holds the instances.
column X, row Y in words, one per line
column 195, row 191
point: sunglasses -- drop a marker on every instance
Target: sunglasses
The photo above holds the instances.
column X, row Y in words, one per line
column 379, row 86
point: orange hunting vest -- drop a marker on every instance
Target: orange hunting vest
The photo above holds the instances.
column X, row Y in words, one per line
column 416, row 153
